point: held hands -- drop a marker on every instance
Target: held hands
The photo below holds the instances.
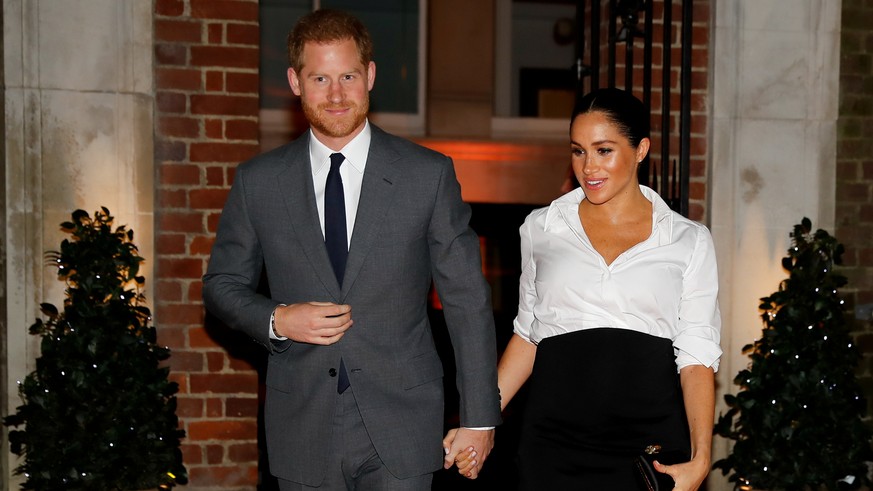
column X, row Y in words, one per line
column 688, row 476
column 467, row 449
column 313, row 322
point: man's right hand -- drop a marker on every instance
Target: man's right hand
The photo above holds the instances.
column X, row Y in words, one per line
column 313, row 322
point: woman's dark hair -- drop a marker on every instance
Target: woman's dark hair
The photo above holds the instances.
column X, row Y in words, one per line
column 621, row 108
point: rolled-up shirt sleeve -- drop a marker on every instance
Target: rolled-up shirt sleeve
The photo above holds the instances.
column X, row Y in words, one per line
column 699, row 333
column 526, row 287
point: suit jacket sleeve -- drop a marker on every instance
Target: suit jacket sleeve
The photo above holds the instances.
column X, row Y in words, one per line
column 230, row 285
column 466, row 299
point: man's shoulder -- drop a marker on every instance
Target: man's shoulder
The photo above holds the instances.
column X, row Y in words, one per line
column 275, row 158
column 403, row 146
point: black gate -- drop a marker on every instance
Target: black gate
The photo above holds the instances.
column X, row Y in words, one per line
column 630, row 28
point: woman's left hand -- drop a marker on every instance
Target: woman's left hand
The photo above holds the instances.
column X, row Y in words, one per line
column 688, row 476
column 465, row 459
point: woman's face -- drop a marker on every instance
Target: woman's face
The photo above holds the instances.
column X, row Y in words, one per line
column 603, row 159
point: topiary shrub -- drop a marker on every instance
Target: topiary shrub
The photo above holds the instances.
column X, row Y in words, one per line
column 797, row 422
column 99, row 412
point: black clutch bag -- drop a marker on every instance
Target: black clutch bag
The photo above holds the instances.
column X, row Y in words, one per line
column 651, row 479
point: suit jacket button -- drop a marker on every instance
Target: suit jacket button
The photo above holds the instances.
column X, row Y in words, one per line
column 332, row 372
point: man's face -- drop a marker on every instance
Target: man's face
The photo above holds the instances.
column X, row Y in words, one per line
column 334, row 89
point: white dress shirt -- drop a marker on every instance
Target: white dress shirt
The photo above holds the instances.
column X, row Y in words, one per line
column 352, row 173
column 666, row 286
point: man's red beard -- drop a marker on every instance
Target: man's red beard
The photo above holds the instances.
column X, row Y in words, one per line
column 332, row 126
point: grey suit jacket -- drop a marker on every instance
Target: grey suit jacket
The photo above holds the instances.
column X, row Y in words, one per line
column 411, row 227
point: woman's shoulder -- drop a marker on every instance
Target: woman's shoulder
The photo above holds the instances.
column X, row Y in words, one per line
column 690, row 233
column 536, row 219
column 682, row 222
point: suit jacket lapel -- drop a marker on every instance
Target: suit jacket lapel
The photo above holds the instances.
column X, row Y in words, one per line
column 377, row 192
column 296, row 188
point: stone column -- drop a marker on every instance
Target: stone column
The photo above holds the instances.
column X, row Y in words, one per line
column 77, row 134
column 773, row 132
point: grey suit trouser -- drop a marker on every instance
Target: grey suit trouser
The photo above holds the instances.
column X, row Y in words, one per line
column 354, row 463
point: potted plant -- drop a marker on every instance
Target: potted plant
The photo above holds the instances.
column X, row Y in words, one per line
column 99, row 412
column 797, row 422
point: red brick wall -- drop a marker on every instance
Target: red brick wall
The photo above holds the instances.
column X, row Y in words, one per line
column 206, row 84
column 854, row 203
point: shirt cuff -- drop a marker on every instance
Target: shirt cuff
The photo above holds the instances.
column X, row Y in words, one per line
column 480, row 428
column 272, row 327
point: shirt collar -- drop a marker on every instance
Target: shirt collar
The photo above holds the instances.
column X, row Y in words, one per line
column 661, row 212
column 568, row 204
column 563, row 205
column 355, row 151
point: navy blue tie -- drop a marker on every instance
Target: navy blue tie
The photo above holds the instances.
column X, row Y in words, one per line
column 336, row 237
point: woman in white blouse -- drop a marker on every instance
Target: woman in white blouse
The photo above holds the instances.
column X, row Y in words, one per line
column 618, row 322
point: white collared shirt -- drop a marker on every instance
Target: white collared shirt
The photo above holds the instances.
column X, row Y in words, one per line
column 352, row 173
column 666, row 286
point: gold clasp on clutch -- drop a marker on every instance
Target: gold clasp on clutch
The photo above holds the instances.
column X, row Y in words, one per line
column 652, row 449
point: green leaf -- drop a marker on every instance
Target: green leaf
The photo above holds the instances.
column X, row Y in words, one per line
column 48, row 309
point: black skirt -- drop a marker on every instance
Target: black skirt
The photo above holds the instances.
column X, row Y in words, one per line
column 596, row 399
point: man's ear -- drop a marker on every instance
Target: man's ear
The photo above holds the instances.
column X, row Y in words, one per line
column 371, row 75
column 294, row 81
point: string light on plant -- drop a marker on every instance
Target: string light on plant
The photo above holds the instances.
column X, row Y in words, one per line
column 831, row 440
column 118, row 344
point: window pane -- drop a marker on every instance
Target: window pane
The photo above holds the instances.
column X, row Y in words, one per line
column 277, row 17
column 394, row 26
column 537, row 78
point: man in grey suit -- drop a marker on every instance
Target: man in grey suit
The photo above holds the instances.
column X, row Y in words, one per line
column 354, row 383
